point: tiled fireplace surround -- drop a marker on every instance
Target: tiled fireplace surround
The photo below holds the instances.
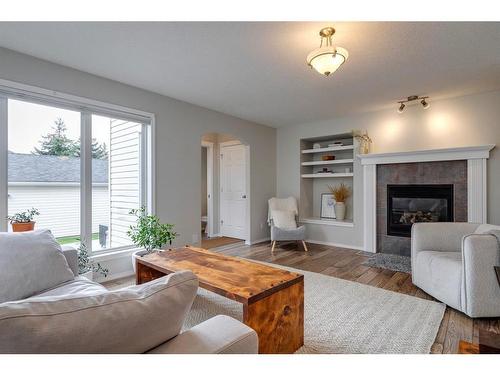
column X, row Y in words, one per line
column 429, row 173
column 464, row 167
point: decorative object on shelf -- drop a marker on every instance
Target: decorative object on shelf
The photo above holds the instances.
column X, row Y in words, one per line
column 327, row 206
column 149, row 233
column 325, row 170
column 364, row 141
column 340, row 193
column 327, row 59
column 336, row 144
column 316, row 145
column 328, row 157
column 412, row 98
column 23, row 221
column 86, row 266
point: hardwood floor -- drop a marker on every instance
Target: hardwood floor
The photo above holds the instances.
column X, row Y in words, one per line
column 347, row 264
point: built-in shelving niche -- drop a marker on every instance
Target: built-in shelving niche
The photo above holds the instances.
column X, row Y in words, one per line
column 313, row 184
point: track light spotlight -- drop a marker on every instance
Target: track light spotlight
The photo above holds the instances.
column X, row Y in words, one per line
column 412, row 98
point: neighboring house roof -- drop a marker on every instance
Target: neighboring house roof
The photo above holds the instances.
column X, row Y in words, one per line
column 44, row 168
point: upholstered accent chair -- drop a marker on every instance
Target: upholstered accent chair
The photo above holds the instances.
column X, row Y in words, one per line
column 282, row 218
column 453, row 262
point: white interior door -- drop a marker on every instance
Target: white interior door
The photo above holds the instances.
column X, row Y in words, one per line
column 233, row 191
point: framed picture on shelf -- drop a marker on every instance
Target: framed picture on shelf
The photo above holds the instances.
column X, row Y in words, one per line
column 327, row 206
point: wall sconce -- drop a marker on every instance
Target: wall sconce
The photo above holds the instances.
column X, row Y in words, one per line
column 412, row 98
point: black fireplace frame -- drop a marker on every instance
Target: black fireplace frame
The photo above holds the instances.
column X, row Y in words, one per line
column 446, row 191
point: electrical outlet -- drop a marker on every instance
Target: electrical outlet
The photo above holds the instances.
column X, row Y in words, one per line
column 195, row 239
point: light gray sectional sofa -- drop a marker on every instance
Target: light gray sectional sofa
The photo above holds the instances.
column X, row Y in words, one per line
column 453, row 262
column 45, row 307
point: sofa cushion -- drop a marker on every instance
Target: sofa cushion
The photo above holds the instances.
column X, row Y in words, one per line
column 29, row 263
column 131, row 320
column 79, row 285
column 439, row 274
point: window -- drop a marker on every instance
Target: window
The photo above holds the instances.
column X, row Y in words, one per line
column 84, row 167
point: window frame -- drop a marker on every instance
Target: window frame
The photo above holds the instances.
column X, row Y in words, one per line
column 87, row 108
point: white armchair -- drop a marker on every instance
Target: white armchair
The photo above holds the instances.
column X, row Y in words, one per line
column 453, row 262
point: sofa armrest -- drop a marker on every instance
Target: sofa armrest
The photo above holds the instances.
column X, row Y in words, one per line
column 480, row 288
column 71, row 255
column 218, row 335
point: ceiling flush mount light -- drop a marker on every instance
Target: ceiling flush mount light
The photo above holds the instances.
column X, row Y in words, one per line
column 412, row 98
column 327, row 59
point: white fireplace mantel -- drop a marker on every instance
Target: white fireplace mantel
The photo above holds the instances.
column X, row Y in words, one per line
column 476, row 157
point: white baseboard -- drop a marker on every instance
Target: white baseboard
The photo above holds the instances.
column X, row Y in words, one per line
column 247, row 242
column 336, row 244
column 114, row 276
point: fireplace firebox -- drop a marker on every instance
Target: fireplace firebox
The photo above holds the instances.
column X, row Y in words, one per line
column 409, row 204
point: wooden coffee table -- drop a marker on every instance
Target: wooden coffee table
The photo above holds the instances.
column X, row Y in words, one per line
column 272, row 298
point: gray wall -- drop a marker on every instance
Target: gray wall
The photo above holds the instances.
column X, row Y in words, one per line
column 463, row 121
column 179, row 130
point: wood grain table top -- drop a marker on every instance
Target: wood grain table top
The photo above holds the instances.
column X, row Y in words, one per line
column 235, row 278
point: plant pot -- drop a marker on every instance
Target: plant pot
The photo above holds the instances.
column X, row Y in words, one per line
column 23, row 227
column 340, row 210
column 138, row 254
column 89, row 275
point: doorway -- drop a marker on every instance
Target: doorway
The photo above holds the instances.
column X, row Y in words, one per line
column 225, row 193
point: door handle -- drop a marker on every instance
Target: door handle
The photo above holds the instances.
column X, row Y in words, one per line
column 244, row 196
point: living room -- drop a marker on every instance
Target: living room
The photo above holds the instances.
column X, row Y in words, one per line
column 277, row 187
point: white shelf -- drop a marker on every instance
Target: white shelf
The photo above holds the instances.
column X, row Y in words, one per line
column 327, row 175
column 333, row 222
column 328, row 162
column 327, row 149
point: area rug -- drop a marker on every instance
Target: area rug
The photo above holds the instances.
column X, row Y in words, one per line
column 346, row 317
column 391, row 262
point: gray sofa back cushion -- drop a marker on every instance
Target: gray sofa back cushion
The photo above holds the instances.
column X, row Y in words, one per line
column 131, row 320
column 29, row 263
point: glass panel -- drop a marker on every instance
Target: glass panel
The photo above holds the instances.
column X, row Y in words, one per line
column 417, row 210
column 44, row 167
column 116, row 177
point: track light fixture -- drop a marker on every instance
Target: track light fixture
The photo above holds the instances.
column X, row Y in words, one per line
column 412, row 98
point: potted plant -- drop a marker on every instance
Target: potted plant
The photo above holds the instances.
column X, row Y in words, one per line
column 149, row 233
column 23, row 221
column 86, row 266
column 341, row 193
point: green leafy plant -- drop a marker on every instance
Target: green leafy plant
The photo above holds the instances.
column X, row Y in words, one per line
column 149, row 233
column 24, row 216
column 85, row 264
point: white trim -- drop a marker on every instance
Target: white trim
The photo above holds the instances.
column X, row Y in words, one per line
column 230, row 143
column 114, row 276
column 336, row 244
column 370, row 208
column 442, row 154
column 249, row 242
column 476, row 191
column 111, row 255
column 4, row 174
column 63, row 184
column 210, row 186
column 34, row 93
column 86, row 180
column 331, row 222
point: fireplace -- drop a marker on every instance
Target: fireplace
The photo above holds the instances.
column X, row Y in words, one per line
column 409, row 204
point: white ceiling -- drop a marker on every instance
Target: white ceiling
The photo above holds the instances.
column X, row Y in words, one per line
column 257, row 71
